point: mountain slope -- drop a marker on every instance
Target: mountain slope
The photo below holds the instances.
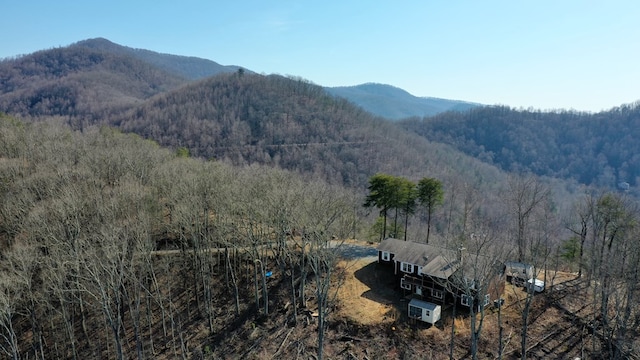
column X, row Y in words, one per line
column 394, row 103
column 189, row 67
column 291, row 124
column 78, row 81
column 599, row 149
column 93, row 78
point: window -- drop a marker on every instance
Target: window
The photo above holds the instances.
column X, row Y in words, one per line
column 427, row 313
column 406, row 267
column 438, row 294
column 404, row 285
column 419, row 270
column 386, row 256
column 465, row 300
column 415, row 312
column 487, row 300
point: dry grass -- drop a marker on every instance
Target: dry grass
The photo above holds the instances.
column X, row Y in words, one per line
column 368, row 298
column 358, row 301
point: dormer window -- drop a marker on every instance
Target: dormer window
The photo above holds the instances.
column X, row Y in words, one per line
column 386, row 256
column 406, row 267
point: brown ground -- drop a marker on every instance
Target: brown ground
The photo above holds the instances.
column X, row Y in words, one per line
column 361, row 300
column 368, row 322
column 367, row 297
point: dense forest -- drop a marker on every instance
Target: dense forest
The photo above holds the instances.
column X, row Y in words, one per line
column 83, row 215
column 92, row 79
column 595, row 149
column 142, row 211
column 257, row 118
column 288, row 123
column 70, row 81
column 113, row 247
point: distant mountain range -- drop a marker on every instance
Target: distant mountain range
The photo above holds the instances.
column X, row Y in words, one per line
column 221, row 112
column 231, row 115
column 394, row 103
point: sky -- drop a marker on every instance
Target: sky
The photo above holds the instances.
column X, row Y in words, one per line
column 544, row 54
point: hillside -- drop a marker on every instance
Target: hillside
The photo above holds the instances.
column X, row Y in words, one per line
column 292, row 124
column 393, row 103
column 148, row 215
column 92, row 79
column 97, row 81
column 78, row 81
column 598, row 149
column 189, row 67
column 84, row 214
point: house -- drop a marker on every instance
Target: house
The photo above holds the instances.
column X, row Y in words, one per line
column 442, row 276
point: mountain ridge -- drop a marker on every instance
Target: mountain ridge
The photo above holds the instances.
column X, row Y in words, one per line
column 395, row 103
column 96, row 81
column 190, row 67
column 288, row 123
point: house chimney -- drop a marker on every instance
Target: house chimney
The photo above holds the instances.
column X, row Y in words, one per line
column 460, row 255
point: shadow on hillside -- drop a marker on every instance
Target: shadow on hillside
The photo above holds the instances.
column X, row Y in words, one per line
column 351, row 252
column 381, row 282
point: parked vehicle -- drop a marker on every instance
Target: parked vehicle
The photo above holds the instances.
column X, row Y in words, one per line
column 535, row 284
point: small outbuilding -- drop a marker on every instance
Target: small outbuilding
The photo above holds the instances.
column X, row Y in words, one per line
column 518, row 272
column 424, row 311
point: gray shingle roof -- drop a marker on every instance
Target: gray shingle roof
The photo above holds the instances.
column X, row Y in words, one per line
column 435, row 261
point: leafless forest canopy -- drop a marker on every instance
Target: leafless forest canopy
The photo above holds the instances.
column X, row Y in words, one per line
column 141, row 210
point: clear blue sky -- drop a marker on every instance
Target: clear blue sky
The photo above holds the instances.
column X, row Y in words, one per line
column 545, row 54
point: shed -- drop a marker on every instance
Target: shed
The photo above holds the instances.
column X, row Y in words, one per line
column 424, row 311
column 517, row 270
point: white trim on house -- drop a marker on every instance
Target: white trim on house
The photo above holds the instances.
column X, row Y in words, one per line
column 404, row 285
column 437, row 294
column 386, row 256
column 415, row 312
column 406, row 267
column 466, row 300
column 487, row 299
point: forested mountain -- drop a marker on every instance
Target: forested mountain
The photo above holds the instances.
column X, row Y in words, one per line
column 112, row 246
column 85, row 217
column 290, row 123
column 189, row 67
column 92, row 79
column 394, row 103
column 240, row 116
column 296, row 125
column 78, row 81
column 600, row 149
